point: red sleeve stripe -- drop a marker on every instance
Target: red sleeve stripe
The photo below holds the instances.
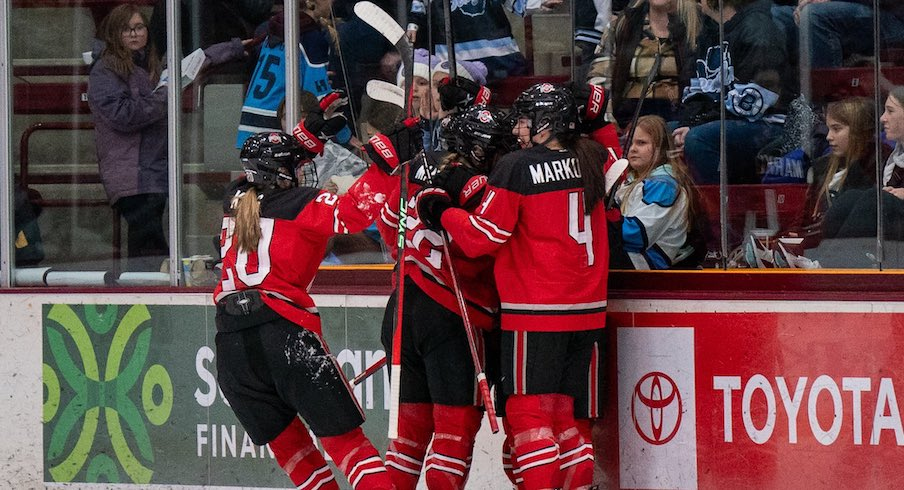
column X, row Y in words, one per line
column 488, row 228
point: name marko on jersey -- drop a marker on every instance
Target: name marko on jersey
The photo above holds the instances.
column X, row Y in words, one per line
column 555, row 171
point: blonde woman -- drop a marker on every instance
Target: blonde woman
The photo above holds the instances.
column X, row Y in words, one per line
column 659, row 204
column 644, row 29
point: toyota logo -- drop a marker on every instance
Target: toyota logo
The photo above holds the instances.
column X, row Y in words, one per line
column 656, row 408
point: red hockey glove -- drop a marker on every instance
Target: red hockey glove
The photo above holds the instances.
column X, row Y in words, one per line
column 461, row 93
column 431, row 204
column 464, row 185
column 398, row 145
column 322, row 123
column 591, row 101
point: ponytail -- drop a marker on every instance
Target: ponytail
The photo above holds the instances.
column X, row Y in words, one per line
column 591, row 158
column 247, row 221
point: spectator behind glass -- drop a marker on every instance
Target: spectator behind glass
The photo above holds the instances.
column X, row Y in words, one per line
column 659, row 204
column 839, row 28
column 130, row 128
column 628, row 50
column 267, row 87
column 754, row 64
column 893, row 122
column 482, row 33
column 209, row 22
column 851, row 163
column 853, row 213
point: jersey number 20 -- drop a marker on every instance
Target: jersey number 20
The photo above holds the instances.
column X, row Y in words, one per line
column 241, row 257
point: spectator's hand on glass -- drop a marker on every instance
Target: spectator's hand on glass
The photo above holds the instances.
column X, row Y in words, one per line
column 678, row 135
column 550, row 5
column 895, row 191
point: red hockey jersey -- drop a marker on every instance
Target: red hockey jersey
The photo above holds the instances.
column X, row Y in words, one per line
column 426, row 265
column 552, row 259
column 295, row 226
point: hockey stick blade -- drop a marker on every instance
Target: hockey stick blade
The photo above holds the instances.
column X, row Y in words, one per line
column 383, row 23
column 386, row 92
column 615, row 173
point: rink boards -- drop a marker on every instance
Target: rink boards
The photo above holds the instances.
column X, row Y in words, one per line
column 710, row 394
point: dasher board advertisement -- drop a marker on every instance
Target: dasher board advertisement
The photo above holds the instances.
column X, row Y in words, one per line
column 783, row 399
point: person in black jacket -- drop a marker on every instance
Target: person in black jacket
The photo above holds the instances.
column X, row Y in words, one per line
column 753, row 62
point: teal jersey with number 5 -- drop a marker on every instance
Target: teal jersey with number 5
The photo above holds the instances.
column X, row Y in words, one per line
column 267, row 87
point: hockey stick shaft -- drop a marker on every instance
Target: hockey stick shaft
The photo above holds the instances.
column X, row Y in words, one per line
column 648, row 82
column 369, row 371
column 393, row 32
column 395, row 370
column 450, row 38
column 471, row 333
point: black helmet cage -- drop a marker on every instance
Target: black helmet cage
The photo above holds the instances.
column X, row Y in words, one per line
column 479, row 133
column 269, row 158
column 547, row 106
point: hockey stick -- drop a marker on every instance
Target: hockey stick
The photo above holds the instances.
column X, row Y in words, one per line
column 369, row 371
column 619, row 179
column 450, row 40
column 470, row 331
column 386, row 92
column 390, row 29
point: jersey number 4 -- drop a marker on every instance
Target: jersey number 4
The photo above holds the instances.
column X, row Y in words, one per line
column 240, row 269
column 581, row 234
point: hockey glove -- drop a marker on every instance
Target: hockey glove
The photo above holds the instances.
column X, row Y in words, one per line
column 322, row 123
column 431, row 204
column 461, row 93
column 591, row 102
column 398, row 145
column 464, row 185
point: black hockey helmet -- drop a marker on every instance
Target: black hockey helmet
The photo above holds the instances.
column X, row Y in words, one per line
column 274, row 157
column 547, row 106
column 479, row 133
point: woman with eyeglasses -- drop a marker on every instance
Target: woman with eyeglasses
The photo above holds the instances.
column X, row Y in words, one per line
column 129, row 112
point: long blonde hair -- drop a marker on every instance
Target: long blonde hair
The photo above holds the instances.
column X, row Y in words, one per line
column 858, row 114
column 664, row 152
column 687, row 12
column 247, row 212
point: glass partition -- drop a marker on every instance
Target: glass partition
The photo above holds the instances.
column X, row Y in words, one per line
column 783, row 125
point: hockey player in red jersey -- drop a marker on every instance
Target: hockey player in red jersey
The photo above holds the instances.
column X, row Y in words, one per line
column 439, row 399
column 272, row 362
column 542, row 216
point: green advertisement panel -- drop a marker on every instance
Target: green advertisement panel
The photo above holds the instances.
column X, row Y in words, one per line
column 130, row 395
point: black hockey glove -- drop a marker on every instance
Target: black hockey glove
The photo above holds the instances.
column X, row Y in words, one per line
column 461, row 93
column 591, row 101
column 322, row 123
column 432, row 202
column 464, row 185
column 398, row 145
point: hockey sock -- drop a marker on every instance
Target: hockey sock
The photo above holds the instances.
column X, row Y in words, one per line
column 536, row 452
column 575, row 449
column 508, row 461
column 405, row 455
column 358, row 460
column 447, row 464
column 298, row 456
